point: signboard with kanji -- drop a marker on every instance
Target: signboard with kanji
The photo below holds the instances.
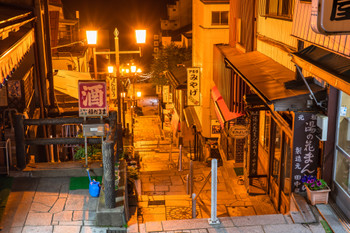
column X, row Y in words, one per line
column 329, row 17
column 165, row 94
column 193, row 88
column 305, row 148
column 92, row 98
column 159, row 89
column 254, row 143
column 113, row 88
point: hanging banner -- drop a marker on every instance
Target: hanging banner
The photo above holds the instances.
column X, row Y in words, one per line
column 165, row 94
column 305, row 148
column 92, row 98
column 159, row 89
column 254, row 143
column 193, row 87
column 113, row 88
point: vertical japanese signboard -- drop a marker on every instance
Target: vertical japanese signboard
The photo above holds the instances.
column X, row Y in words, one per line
column 165, row 94
column 193, row 88
column 159, row 89
column 92, row 98
column 254, row 143
column 113, row 88
column 305, row 148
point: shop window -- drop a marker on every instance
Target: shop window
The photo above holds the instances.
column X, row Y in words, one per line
column 277, row 8
column 342, row 170
column 219, row 18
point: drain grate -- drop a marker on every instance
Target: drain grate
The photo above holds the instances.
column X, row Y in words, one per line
column 160, row 202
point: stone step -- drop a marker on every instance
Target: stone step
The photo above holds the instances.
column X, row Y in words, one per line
column 64, row 169
column 334, row 222
column 302, row 208
column 183, row 197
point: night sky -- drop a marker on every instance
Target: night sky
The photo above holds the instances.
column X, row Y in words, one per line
column 126, row 15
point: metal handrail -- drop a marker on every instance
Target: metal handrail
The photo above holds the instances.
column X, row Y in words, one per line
column 205, row 182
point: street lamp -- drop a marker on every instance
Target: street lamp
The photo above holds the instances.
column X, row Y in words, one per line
column 91, row 37
column 141, row 38
column 110, row 69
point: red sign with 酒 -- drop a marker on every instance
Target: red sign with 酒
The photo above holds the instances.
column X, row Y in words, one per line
column 92, row 98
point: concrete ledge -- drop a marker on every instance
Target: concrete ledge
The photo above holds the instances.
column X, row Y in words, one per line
column 110, row 217
column 64, row 169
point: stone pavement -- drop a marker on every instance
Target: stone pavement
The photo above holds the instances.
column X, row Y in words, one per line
column 164, row 205
column 161, row 181
column 275, row 223
column 47, row 205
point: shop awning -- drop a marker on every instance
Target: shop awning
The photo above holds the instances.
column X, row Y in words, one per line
column 222, row 112
column 330, row 67
column 191, row 118
column 178, row 75
column 268, row 79
column 66, row 81
column 12, row 51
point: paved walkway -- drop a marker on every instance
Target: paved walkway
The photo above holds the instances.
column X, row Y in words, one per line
column 164, row 195
column 47, row 205
column 249, row 224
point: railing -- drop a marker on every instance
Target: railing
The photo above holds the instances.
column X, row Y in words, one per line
column 213, row 213
column 194, row 196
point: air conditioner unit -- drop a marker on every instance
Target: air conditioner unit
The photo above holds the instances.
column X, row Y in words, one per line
column 322, row 124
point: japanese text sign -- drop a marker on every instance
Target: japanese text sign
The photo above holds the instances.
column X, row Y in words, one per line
column 254, row 143
column 165, row 94
column 305, row 148
column 92, row 98
column 330, row 16
column 193, row 88
column 113, row 88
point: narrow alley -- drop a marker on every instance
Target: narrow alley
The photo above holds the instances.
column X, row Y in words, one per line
column 163, row 189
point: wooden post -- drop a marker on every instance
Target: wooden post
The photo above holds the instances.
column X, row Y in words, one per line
column 108, row 173
column 20, row 141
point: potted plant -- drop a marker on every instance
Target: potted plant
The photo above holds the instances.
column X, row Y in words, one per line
column 317, row 190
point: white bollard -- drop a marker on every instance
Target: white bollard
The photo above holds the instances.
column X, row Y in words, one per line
column 214, row 176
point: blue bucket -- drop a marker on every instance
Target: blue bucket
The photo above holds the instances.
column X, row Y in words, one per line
column 94, row 188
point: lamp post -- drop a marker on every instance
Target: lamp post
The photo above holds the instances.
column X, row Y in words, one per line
column 140, row 39
column 138, row 95
column 123, row 94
